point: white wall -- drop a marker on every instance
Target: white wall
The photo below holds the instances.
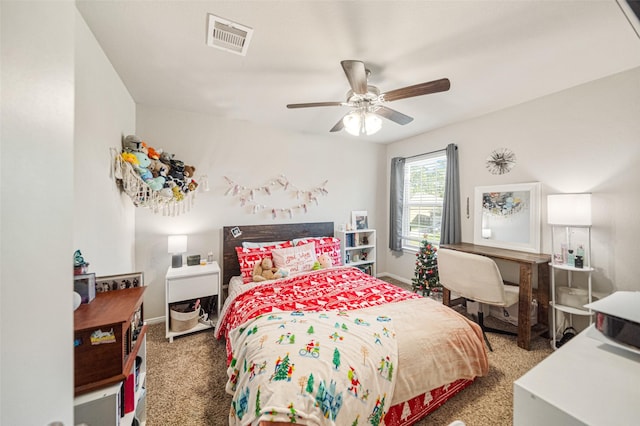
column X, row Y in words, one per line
column 63, row 106
column 253, row 156
column 584, row 139
column 36, row 174
column 104, row 218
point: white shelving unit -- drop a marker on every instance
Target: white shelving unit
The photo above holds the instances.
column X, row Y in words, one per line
column 188, row 283
column 358, row 248
column 565, row 242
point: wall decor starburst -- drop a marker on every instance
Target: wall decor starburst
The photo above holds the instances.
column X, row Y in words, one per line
column 501, row 161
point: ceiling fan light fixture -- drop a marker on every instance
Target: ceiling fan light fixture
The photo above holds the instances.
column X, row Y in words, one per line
column 362, row 123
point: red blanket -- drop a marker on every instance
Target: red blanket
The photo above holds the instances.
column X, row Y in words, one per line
column 340, row 288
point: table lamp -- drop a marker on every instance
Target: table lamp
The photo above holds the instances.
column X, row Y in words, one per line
column 569, row 209
column 177, row 244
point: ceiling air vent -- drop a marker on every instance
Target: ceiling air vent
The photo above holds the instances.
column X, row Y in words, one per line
column 227, row 35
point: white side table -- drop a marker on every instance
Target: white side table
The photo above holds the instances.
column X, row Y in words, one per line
column 192, row 282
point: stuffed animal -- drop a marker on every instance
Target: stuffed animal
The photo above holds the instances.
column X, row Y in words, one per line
column 150, row 151
column 130, row 158
column 265, row 271
column 143, row 165
column 155, row 183
column 189, row 171
column 158, row 168
column 325, row 261
column 132, row 143
column 166, row 158
column 177, row 194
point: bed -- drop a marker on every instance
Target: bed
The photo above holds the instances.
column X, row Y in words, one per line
column 334, row 345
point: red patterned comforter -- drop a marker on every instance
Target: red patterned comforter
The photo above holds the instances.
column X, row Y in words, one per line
column 428, row 332
column 341, row 288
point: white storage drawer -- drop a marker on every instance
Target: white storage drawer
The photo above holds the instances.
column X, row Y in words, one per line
column 191, row 287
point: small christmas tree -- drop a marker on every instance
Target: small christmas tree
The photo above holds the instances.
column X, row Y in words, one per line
column 426, row 274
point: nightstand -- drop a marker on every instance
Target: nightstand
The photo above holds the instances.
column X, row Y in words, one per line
column 188, row 283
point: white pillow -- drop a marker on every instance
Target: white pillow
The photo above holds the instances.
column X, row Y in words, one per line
column 296, row 259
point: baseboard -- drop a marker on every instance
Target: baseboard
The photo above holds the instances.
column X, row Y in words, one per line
column 395, row 277
column 156, row 320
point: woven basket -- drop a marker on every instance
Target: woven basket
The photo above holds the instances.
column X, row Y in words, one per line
column 182, row 321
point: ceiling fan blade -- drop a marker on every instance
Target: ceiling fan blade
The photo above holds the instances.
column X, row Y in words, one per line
column 394, row 115
column 339, row 126
column 315, row 104
column 435, row 86
column 357, row 76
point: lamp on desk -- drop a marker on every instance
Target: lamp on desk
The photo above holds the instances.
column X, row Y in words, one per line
column 176, row 245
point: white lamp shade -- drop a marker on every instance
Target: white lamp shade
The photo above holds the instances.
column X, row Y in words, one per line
column 569, row 209
column 177, row 244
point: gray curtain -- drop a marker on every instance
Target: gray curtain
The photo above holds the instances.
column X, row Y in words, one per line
column 395, row 203
column 451, row 231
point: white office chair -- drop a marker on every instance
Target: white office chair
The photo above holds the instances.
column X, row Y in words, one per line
column 476, row 278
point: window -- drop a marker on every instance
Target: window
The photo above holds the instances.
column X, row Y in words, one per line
column 424, row 180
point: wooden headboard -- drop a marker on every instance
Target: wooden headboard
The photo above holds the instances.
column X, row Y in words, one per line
column 261, row 233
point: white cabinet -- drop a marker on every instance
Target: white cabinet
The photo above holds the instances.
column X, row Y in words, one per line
column 358, row 248
column 571, row 246
column 585, row 382
column 187, row 284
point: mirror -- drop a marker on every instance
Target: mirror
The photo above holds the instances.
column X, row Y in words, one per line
column 508, row 216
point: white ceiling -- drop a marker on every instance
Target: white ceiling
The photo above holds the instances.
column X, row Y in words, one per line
column 496, row 53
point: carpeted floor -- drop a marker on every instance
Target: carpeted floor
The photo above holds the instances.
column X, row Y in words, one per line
column 186, row 379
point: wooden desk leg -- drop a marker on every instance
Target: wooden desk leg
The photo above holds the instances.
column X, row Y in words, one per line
column 524, row 306
column 543, row 294
column 446, row 297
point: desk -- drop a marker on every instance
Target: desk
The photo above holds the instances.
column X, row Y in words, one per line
column 526, row 261
column 585, row 382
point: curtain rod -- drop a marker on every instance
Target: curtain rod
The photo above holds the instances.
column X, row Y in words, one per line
column 427, row 153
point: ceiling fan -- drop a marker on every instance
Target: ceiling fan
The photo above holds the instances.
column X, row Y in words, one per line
column 368, row 104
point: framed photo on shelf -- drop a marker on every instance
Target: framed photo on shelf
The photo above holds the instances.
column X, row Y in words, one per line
column 119, row 282
column 359, row 220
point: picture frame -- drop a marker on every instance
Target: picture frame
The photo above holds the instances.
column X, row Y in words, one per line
column 85, row 286
column 508, row 216
column 359, row 220
column 119, row 282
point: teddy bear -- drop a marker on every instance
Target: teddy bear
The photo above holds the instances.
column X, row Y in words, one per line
column 324, row 261
column 265, row 271
column 189, row 171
